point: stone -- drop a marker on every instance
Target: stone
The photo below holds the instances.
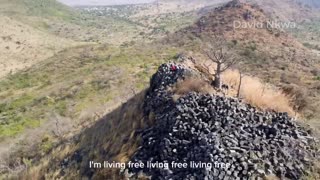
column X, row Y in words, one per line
column 210, row 128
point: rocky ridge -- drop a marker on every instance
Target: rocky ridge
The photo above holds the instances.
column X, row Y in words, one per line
column 208, row 129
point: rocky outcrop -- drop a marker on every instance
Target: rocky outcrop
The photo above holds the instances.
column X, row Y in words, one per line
column 217, row 130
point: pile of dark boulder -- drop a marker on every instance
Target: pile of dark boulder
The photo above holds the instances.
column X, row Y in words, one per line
column 210, row 129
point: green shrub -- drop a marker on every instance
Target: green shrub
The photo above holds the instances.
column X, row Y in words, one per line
column 46, row 144
column 61, row 108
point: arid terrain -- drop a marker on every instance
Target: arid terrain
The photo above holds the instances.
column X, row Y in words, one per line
column 73, row 80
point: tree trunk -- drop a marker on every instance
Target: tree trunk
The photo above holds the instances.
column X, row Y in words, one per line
column 217, row 81
column 217, row 77
column 239, row 87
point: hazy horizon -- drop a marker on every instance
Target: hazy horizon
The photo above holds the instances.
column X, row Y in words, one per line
column 102, row 2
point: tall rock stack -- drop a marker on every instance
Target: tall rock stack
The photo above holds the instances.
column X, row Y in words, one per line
column 212, row 129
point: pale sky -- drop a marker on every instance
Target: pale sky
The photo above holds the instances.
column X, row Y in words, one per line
column 102, row 2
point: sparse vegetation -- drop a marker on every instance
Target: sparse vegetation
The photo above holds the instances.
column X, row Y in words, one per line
column 65, row 69
column 192, row 85
column 94, row 78
column 259, row 94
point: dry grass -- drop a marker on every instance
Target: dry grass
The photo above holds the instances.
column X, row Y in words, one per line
column 314, row 172
column 271, row 177
column 259, row 94
column 253, row 90
column 191, row 85
column 22, row 46
column 112, row 138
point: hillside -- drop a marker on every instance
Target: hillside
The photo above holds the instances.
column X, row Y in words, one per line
column 147, row 22
column 284, row 10
column 160, row 125
column 23, row 41
column 22, row 46
column 44, row 56
column 66, row 94
column 47, row 8
column 80, row 93
column 33, row 31
column 187, row 5
column 270, row 53
column 60, row 20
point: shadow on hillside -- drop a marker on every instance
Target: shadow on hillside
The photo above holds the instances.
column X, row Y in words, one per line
column 112, row 138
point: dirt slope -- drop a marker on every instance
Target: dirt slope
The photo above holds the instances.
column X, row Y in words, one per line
column 22, row 46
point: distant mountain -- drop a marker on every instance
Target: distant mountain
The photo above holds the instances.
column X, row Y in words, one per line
column 287, row 10
column 193, row 1
column 267, row 51
column 284, row 10
column 311, row 3
column 196, row 2
column 103, row 2
column 221, row 20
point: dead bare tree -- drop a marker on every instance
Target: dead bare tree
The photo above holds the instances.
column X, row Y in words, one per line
column 241, row 75
column 243, row 72
column 218, row 52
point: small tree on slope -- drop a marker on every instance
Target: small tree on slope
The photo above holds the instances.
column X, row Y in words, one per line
column 219, row 52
